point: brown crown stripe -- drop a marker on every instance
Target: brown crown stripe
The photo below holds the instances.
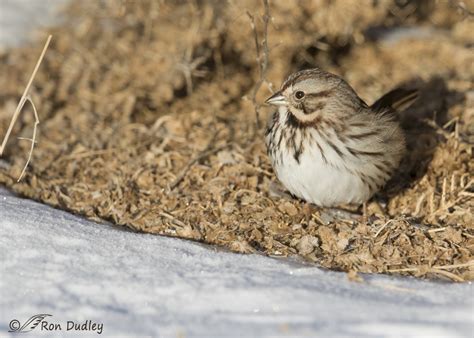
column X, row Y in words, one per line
column 303, row 75
column 292, row 79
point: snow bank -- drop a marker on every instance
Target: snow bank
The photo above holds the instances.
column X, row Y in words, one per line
column 139, row 284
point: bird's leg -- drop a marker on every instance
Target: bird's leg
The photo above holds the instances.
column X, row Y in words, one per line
column 276, row 189
column 365, row 215
column 308, row 209
column 379, row 208
column 341, row 212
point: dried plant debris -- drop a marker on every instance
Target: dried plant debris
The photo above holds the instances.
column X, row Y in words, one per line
column 147, row 122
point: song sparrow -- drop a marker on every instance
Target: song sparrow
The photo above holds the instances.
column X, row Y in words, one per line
column 327, row 146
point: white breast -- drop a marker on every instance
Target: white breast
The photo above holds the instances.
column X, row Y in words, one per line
column 319, row 183
column 322, row 180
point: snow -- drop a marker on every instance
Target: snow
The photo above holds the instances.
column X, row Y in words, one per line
column 145, row 285
column 19, row 19
column 53, row 262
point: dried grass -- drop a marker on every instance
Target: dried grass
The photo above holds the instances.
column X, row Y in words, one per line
column 26, row 98
column 143, row 124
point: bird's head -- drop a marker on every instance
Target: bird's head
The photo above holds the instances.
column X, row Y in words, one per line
column 311, row 94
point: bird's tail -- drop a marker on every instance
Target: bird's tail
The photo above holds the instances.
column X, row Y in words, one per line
column 398, row 99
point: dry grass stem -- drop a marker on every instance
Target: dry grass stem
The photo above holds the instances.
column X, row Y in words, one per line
column 443, row 267
column 33, row 138
column 23, row 98
column 262, row 57
column 382, row 228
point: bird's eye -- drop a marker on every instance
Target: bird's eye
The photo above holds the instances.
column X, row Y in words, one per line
column 299, row 94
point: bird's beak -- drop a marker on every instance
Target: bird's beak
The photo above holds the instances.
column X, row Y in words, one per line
column 277, row 99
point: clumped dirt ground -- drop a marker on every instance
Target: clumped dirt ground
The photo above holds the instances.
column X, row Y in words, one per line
column 147, row 121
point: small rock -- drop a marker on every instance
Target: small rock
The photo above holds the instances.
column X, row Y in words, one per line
column 226, row 157
column 307, row 244
column 326, row 218
column 342, row 244
column 288, row 208
column 296, row 226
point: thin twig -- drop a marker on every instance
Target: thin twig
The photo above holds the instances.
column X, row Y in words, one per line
column 33, row 139
column 436, row 230
column 24, row 96
column 448, row 274
column 172, row 218
column 189, row 68
column 455, row 266
column 381, row 228
column 262, row 57
column 439, row 267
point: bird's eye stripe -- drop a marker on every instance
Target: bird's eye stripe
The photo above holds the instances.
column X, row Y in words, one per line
column 324, row 93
